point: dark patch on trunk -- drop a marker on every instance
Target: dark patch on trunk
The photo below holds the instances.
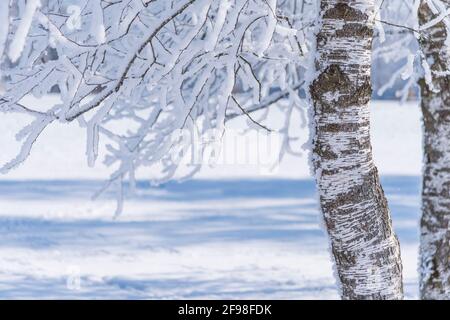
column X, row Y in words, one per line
column 332, row 79
column 343, row 11
column 325, row 151
column 356, row 30
column 361, row 95
column 342, row 127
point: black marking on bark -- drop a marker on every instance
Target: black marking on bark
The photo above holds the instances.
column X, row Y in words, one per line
column 343, row 11
column 342, row 127
column 324, row 151
column 333, row 79
column 356, row 30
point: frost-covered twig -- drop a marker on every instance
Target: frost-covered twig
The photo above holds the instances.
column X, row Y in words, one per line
column 155, row 66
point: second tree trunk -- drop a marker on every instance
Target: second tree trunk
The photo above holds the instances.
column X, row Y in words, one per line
column 435, row 222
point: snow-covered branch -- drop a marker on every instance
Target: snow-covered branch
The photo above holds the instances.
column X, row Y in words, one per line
column 156, row 66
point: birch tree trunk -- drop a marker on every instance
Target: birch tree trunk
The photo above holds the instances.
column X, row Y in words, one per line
column 435, row 226
column 355, row 210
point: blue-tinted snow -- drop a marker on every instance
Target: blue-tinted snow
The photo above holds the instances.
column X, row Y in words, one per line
column 197, row 239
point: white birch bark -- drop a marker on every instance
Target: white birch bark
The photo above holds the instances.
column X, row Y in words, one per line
column 355, row 210
column 435, row 104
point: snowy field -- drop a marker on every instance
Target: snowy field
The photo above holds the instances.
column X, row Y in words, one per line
column 230, row 233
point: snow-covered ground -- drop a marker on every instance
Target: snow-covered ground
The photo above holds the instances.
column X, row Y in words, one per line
column 230, row 233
